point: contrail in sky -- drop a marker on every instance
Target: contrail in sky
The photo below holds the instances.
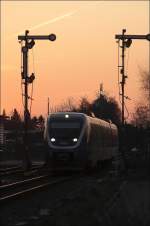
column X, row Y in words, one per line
column 47, row 22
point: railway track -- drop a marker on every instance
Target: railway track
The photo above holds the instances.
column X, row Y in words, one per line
column 17, row 170
column 9, row 169
column 20, row 189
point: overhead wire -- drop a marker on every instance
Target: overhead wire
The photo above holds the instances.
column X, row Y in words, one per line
column 119, row 69
column 126, row 68
column 21, row 76
column 31, row 96
column 127, row 112
column 127, row 63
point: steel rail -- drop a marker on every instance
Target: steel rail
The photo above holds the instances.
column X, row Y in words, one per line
column 24, row 191
column 9, row 168
column 11, row 171
column 23, row 182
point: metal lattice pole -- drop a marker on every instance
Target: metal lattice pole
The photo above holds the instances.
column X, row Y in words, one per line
column 29, row 41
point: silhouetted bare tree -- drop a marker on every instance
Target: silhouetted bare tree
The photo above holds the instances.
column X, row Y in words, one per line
column 141, row 116
column 103, row 107
column 145, row 84
column 68, row 105
column 41, row 121
column 85, row 106
column 15, row 116
column 107, row 108
column 4, row 113
column 13, row 122
column 34, row 121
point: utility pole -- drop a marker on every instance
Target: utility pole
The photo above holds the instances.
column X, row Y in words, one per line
column 48, row 106
column 101, row 90
column 29, row 42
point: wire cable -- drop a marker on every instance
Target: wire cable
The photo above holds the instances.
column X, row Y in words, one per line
column 127, row 62
column 31, row 96
column 126, row 111
column 21, row 59
column 119, row 70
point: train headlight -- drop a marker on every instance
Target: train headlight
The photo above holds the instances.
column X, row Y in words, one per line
column 66, row 116
column 75, row 139
column 53, row 139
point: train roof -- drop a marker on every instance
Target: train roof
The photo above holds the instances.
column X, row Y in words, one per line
column 81, row 115
column 62, row 114
column 101, row 122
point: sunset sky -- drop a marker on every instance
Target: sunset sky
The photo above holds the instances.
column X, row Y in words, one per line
column 84, row 54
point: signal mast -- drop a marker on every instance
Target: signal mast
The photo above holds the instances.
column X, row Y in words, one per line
column 126, row 43
column 29, row 42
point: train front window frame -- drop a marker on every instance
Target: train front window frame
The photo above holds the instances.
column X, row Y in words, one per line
column 65, row 131
column 65, row 125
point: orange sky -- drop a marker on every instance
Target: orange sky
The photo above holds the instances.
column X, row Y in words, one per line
column 84, row 54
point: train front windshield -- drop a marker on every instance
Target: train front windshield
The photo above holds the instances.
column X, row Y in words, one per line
column 64, row 132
